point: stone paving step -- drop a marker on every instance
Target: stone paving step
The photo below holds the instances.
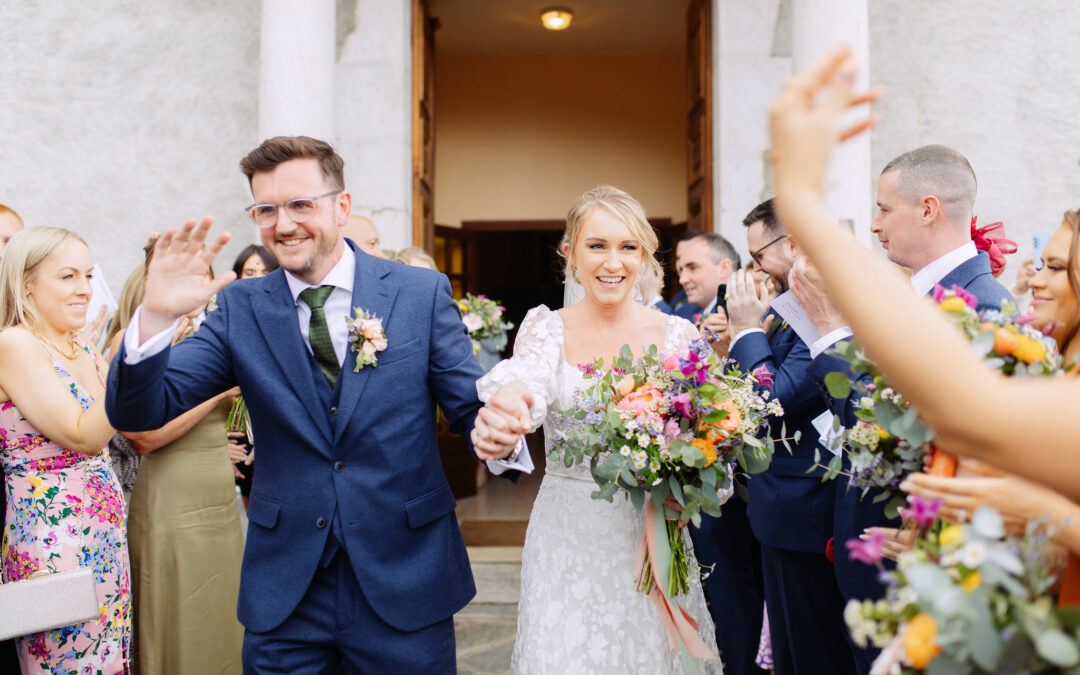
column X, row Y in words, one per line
column 497, row 571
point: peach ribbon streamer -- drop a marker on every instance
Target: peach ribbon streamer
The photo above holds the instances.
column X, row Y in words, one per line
column 684, row 632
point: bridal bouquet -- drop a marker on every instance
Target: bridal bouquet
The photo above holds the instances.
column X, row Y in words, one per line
column 666, row 431
column 483, row 318
column 889, row 441
column 966, row 599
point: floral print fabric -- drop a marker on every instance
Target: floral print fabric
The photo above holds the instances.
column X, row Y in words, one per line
column 64, row 511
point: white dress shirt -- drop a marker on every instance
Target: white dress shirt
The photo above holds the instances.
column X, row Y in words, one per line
column 922, row 281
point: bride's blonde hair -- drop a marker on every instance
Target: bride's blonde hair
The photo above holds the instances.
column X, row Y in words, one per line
column 21, row 258
column 624, row 207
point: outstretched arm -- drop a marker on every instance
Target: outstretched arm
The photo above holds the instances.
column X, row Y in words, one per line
column 1023, row 426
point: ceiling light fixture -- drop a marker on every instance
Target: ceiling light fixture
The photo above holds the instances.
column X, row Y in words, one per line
column 556, row 18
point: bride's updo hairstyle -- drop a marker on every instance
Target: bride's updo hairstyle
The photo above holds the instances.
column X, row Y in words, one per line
column 26, row 250
column 622, row 206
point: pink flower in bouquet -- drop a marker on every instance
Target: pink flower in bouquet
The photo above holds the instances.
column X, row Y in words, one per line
column 641, row 401
column 671, row 363
column 923, row 512
column 763, row 376
column 588, row 368
column 682, row 405
column 941, row 296
column 693, row 366
column 671, row 429
column 869, row 551
column 472, row 322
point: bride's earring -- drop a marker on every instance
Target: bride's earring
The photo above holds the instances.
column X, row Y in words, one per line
column 576, row 278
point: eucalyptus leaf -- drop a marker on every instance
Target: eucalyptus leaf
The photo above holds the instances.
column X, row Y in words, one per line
column 637, row 498
column 838, row 384
column 1058, row 648
column 676, row 489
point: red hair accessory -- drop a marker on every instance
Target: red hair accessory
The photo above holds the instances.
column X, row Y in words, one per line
column 992, row 240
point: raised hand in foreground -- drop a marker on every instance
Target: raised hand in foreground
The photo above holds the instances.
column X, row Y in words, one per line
column 177, row 283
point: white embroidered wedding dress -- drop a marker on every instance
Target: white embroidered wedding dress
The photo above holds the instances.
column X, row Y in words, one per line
column 580, row 611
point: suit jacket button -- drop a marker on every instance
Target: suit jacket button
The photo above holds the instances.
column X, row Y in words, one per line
column 333, row 410
column 338, row 466
column 320, row 523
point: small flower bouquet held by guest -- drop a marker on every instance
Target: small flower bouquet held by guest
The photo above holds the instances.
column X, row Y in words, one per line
column 966, row 599
column 889, row 441
column 483, row 318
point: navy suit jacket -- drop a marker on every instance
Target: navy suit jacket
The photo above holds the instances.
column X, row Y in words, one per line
column 789, row 508
column 682, row 307
column 854, row 513
column 370, row 460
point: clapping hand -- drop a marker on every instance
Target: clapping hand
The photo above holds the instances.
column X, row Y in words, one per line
column 503, row 421
column 715, row 328
column 747, row 302
column 177, row 283
column 809, row 290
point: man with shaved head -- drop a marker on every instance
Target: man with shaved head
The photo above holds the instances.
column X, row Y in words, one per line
column 925, row 199
column 362, row 231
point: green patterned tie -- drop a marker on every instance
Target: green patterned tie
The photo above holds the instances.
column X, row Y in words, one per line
column 319, row 334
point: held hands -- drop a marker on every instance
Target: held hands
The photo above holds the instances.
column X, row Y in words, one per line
column 805, row 120
column 1015, row 499
column 177, row 283
column 809, row 290
column 501, row 422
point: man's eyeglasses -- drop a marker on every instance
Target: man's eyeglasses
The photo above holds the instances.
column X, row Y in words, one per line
column 300, row 210
column 756, row 255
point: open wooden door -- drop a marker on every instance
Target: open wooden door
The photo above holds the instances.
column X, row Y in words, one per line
column 423, row 124
column 699, row 207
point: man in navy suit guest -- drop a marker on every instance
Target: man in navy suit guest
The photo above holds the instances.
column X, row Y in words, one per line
column 790, row 510
column 925, row 200
column 703, row 260
column 354, row 557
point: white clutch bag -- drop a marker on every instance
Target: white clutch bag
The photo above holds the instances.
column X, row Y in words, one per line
column 46, row 601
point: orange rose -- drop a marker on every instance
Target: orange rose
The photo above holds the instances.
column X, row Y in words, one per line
column 718, row 432
column 1005, row 342
column 919, row 641
column 625, row 385
column 707, row 448
column 1029, row 350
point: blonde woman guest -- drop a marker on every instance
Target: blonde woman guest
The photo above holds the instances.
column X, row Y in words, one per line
column 186, row 540
column 416, row 257
column 579, row 608
column 64, row 505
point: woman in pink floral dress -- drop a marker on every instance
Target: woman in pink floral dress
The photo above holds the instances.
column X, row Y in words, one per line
column 64, row 505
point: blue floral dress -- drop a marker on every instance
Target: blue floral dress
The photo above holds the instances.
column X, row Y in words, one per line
column 65, row 510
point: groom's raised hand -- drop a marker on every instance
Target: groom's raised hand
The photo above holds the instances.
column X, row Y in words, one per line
column 502, row 422
column 177, row 282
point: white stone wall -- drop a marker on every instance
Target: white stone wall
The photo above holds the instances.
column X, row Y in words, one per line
column 122, row 117
column 373, row 104
column 998, row 82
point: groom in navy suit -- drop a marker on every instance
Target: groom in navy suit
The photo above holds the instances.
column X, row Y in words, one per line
column 925, row 200
column 354, row 557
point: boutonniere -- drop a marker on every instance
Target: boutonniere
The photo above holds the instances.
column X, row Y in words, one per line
column 366, row 338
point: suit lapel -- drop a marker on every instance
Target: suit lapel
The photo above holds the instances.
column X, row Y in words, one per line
column 374, row 294
column 275, row 313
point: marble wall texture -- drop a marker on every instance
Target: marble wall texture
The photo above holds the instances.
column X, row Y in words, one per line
column 995, row 80
column 122, row 117
column 119, row 118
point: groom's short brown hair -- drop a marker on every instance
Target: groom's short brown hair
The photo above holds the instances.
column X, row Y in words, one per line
column 280, row 149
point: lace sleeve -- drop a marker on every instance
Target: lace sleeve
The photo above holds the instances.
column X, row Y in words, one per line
column 537, row 351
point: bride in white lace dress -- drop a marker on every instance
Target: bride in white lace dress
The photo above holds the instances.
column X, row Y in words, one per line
column 580, row 611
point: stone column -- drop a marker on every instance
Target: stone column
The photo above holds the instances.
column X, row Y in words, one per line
column 296, row 70
column 850, row 186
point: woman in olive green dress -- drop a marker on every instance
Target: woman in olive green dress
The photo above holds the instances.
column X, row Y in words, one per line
column 186, row 546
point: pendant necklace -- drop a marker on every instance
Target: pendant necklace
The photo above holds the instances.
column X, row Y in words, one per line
column 71, row 343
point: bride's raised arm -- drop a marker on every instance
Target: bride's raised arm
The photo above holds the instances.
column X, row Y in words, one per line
column 1022, row 426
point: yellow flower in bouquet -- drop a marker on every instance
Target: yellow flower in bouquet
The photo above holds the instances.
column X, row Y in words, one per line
column 919, row 644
